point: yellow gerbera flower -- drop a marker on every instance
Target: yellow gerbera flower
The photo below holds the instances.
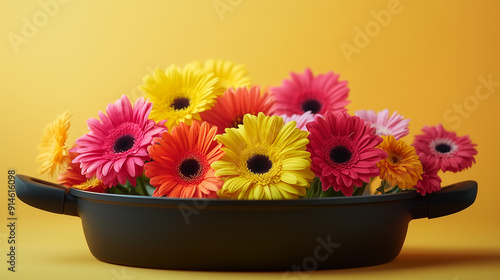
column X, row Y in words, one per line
column 265, row 159
column 402, row 167
column 54, row 153
column 179, row 95
column 229, row 73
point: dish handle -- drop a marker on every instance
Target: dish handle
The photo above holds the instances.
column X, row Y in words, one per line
column 450, row 199
column 46, row 195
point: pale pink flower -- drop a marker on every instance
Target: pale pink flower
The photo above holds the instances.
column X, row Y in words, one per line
column 301, row 120
column 395, row 125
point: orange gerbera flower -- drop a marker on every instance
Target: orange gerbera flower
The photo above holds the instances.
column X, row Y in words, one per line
column 402, row 167
column 233, row 105
column 73, row 177
column 73, row 173
column 181, row 162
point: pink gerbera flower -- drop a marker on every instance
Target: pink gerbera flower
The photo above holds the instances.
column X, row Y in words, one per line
column 395, row 125
column 430, row 181
column 301, row 120
column 305, row 92
column 452, row 153
column 343, row 151
column 116, row 147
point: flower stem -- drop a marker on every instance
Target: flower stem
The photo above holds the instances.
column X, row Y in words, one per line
column 312, row 191
column 141, row 188
column 395, row 189
column 122, row 189
column 381, row 189
column 319, row 188
column 361, row 190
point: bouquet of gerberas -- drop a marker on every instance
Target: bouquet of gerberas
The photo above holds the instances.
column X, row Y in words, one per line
column 203, row 131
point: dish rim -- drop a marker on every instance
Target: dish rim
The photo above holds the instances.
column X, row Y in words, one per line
column 203, row 202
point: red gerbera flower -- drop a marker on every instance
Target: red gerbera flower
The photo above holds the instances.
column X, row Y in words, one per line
column 181, row 162
column 343, row 151
column 234, row 104
column 305, row 92
column 430, row 181
column 452, row 153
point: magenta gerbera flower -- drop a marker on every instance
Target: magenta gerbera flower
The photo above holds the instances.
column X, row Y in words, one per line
column 343, row 151
column 301, row 120
column 452, row 153
column 395, row 125
column 305, row 92
column 116, row 147
column 430, row 181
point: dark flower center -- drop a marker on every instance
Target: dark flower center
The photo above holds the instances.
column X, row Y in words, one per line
column 190, row 168
column 259, row 164
column 394, row 159
column 312, row 105
column 443, row 148
column 237, row 121
column 180, row 103
column 123, row 143
column 340, row 154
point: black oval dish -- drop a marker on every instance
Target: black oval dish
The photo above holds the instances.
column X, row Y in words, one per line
column 244, row 235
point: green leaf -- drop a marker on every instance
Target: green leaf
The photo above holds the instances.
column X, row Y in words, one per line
column 118, row 189
column 331, row 193
column 148, row 188
column 314, row 189
column 142, row 187
column 395, row 189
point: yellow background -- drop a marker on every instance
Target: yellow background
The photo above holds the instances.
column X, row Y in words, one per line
column 425, row 61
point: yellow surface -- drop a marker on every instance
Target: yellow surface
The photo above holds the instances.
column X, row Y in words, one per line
column 426, row 62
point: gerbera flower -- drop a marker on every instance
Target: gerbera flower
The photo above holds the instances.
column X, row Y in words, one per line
column 73, row 173
column 343, row 151
column 430, row 181
column 452, row 153
column 179, row 95
column 265, row 159
column 181, row 162
column 395, row 125
column 402, row 167
column 234, row 104
column 301, row 120
column 53, row 149
column 230, row 74
column 305, row 92
column 115, row 148
column 92, row 185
